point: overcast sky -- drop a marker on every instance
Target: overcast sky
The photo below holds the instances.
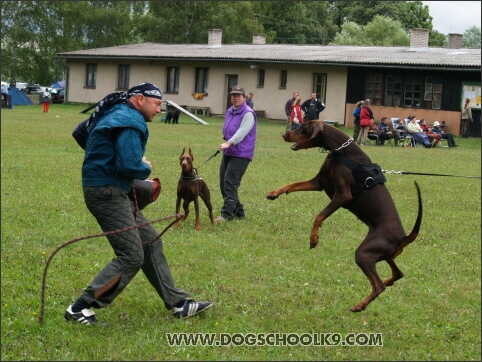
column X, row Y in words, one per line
column 454, row 16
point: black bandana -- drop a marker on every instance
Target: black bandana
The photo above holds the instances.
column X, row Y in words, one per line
column 146, row 89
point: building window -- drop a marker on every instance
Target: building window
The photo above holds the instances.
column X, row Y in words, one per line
column 412, row 95
column 432, row 98
column 201, row 80
column 91, row 75
column 283, row 78
column 260, row 77
column 123, row 80
column 319, row 86
column 172, row 85
column 373, row 89
column 393, row 91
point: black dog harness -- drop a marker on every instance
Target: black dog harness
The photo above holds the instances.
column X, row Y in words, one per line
column 365, row 176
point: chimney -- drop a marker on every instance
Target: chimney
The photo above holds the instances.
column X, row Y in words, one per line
column 259, row 38
column 214, row 37
column 419, row 38
column 455, row 41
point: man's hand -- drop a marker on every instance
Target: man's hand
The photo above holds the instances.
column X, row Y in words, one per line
column 148, row 163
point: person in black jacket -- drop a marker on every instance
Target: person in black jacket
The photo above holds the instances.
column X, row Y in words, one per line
column 312, row 108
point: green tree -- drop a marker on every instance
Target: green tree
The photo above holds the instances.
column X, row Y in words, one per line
column 381, row 31
column 471, row 37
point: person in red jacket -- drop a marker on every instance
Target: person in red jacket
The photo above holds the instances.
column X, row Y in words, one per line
column 296, row 118
column 366, row 116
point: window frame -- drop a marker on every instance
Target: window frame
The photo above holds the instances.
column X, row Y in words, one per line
column 319, row 85
column 201, row 82
column 172, row 79
column 123, row 76
column 283, row 78
column 90, row 75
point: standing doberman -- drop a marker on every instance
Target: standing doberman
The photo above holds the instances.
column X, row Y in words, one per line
column 189, row 187
column 352, row 181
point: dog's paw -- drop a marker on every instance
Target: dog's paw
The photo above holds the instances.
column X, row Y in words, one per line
column 272, row 195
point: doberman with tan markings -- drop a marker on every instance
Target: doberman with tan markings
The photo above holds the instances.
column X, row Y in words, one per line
column 352, row 181
column 189, row 188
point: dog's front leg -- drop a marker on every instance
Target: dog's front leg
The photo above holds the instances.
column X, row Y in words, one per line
column 311, row 185
column 197, row 224
column 336, row 202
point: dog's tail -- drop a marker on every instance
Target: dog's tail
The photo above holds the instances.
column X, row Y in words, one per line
column 416, row 228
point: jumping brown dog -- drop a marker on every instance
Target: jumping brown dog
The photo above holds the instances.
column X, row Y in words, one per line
column 189, row 187
column 352, row 181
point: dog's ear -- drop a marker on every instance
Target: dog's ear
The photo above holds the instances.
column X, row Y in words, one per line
column 182, row 153
column 191, row 155
column 316, row 128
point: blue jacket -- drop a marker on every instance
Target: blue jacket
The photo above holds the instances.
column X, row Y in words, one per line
column 114, row 149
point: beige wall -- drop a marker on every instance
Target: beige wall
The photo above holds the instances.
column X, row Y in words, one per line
column 451, row 119
column 270, row 98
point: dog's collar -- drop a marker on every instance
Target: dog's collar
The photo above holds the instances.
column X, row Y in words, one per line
column 190, row 178
column 346, row 144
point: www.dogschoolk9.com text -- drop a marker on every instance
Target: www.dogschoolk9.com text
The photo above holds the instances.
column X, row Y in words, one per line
column 275, row 339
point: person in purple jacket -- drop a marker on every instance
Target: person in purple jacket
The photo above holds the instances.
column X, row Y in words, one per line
column 239, row 134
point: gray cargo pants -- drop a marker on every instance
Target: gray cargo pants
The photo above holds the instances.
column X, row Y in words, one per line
column 113, row 211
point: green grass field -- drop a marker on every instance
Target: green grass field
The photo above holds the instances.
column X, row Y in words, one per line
column 259, row 272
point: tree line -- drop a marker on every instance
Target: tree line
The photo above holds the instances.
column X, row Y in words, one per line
column 33, row 32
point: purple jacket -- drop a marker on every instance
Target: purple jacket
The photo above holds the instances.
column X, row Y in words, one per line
column 245, row 148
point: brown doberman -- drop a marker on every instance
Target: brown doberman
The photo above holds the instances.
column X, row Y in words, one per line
column 352, row 181
column 189, row 187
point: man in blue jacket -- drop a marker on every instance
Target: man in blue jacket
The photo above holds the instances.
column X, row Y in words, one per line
column 114, row 158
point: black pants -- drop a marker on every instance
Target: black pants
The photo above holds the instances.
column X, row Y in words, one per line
column 231, row 172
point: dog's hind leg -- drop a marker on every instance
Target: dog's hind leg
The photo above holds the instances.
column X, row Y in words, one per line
column 396, row 273
column 367, row 260
column 206, row 197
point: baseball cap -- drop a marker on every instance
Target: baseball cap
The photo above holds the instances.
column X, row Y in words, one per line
column 237, row 90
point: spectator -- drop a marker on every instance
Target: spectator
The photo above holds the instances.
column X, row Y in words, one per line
column 296, row 118
column 375, row 134
column 416, row 132
column 434, row 138
column 366, row 115
column 356, row 120
column 239, row 134
column 249, row 100
column 312, row 108
column 466, row 118
column 46, row 96
column 288, row 105
column 384, row 128
column 5, row 93
column 446, row 136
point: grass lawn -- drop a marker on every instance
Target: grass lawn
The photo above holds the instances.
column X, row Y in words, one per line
column 259, row 272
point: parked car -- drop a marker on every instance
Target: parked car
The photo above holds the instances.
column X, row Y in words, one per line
column 58, row 95
column 34, row 89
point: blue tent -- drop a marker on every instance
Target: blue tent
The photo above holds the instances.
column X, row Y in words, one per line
column 59, row 84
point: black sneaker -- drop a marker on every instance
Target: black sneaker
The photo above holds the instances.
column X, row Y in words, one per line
column 190, row 308
column 85, row 316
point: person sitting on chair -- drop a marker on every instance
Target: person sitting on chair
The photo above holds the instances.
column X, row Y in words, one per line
column 384, row 128
column 445, row 136
column 375, row 134
column 432, row 137
column 417, row 133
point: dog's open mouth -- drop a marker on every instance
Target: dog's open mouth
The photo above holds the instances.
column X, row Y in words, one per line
column 295, row 146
